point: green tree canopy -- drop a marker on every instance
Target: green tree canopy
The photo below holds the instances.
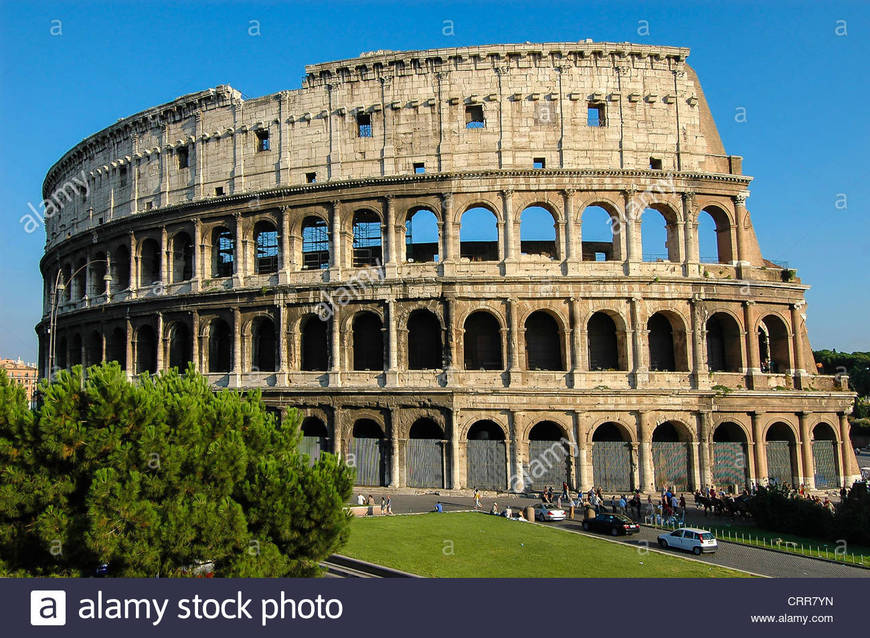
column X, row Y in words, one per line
column 158, row 476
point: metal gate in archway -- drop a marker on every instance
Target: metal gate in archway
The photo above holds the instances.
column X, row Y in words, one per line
column 369, row 459
column 779, row 467
column 825, row 464
column 671, row 464
column 548, row 465
column 730, row 463
column 425, row 461
column 486, row 464
column 312, row 446
column 611, row 465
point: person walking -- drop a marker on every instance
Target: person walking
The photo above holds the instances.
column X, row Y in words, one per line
column 564, row 490
column 476, row 499
column 383, row 504
column 389, row 504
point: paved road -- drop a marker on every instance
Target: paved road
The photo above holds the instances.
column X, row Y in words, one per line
column 759, row 561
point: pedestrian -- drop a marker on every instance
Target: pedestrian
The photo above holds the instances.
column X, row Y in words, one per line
column 371, row 500
column 476, row 499
column 389, row 504
column 438, row 507
column 622, row 504
column 564, row 490
column 550, row 494
column 682, row 503
column 383, row 504
column 360, row 499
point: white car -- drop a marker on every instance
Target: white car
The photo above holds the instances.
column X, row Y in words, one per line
column 690, row 539
column 548, row 512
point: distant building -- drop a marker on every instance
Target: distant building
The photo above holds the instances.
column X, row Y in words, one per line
column 24, row 373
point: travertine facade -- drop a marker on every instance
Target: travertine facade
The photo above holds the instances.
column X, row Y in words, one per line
column 268, row 240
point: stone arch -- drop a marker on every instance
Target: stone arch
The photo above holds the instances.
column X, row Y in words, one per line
column 219, row 339
column 149, row 262
column 421, row 235
column 315, row 438
column 367, row 237
column 368, row 447
column 116, row 346
column 93, row 348
column 120, row 268
column 730, row 450
column 724, row 342
column 826, row 462
column 599, row 244
column 180, row 345
column 182, row 257
column 482, row 341
column 610, row 452
column 315, row 248
column 616, row 431
column 267, row 246
column 607, row 348
column 543, row 334
column 97, row 277
column 264, row 343
column 668, row 246
column 479, row 236
column 667, row 341
column 672, row 456
column 75, row 353
column 540, row 231
column 425, row 345
column 549, row 458
column 146, row 349
column 781, row 442
column 715, row 244
column 223, row 251
column 368, row 341
column 314, row 343
column 774, row 344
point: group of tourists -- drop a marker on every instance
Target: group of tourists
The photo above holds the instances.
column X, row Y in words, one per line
column 386, row 503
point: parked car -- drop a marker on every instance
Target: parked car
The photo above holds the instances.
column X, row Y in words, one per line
column 613, row 524
column 690, row 539
column 548, row 512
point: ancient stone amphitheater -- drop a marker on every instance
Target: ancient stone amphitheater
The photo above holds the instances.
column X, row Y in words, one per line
column 499, row 267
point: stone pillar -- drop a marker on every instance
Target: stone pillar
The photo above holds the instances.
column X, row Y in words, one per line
column 130, row 366
column 237, row 366
column 742, row 252
column 696, row 469
column 391, row 267
column 576, row 344
column 194, row 339
column 750, row 341
column 239, row 253
column 638, row 329
column 705, row 458
column 282, row 341
column 165, row 262
column 760, row 448
column 513, row 341
column 516, row 480
column 573, row 241
column 134, row 270
column 335, row 345
column 699, row 346
column 509, row 241
column 197, row 254
column 392, row 344
column 647, row 477
column 800, row 366
column 450, row 240
column 848, row 462
column 690, row 235
column 630, row 257
column 161, row 342
column 808, row 473
column 335, row 241
column 284, row 268
column 394, row 449
column 455, row 475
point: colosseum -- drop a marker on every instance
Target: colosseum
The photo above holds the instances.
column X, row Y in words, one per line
column 443, row 259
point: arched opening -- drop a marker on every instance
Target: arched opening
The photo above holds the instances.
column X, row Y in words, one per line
column 98, row 275
column 315, row 344
column 315, row 244
column 599, row 241
column 146, row 350
column 62, row 354
column 482, row 342
column 825, row 466
column 149, row 262
column 426, row 458
column 315, row 438
column 116, row 347
column 714, row 236
column 611, row 458
column 730, row 456
column 93, row 349
column 367, row 239
column 781, row 450
column 421, row 237
column 478, row 235
column 369, row 453
column 121, row 269
column 424, row 341
column 66, row 281
column 773, row 345
column 223, row 248
column 605, row 351
column 723, row 343
column 538, row 232
column 182, row 257
column 263, row 345
column 220, row 346
column 368, row 342
column 658, row 236
column 75, row 354
column 671, row 457
column 543, row 342
column 80, row 281
column 180, row 346
column 486, row 456
column 549, row 461
column 667, row 342
column 266, row 247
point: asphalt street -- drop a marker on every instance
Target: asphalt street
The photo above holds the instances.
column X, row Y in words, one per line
column 734, row 555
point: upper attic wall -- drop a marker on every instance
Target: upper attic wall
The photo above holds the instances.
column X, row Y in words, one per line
column 534, row 99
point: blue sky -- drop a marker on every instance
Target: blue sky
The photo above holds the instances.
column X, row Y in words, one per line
column 804, row 89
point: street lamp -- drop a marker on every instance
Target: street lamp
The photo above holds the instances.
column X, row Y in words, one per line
column 60, row 286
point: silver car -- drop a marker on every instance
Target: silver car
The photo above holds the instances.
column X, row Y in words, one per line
column 690, row 539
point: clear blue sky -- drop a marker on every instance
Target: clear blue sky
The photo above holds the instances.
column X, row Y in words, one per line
column 804, row 88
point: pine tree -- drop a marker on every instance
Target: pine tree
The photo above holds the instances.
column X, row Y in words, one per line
column 159, row 476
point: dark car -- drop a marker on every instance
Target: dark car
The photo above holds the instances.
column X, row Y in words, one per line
column 613, row 524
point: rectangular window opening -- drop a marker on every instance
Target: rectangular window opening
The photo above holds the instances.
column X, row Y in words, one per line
column 311, row 178
column 474, row 116
column 539, row 162
column 655, row 163
column 364, row 124
column 262, row 140
column 149, row 205
column 122, row 173
column 182, row 154
column 218, row 191
column 595, row 114
column 419, row 168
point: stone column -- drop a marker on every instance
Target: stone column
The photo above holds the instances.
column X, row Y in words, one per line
column 742, row 252
column 750, row 341
column 647, row 476
column 800, row 365
column 161, row 342
column 573, row 241
column 509, row 238
column 130, row 365
column 335, row 346
column 699, row 346
column 848, row 462
column 391, row 267
column 335, row 241
column 282, row 341
column 194, row 339
column 450, row 241
column 576, row 345
column 237, row 366
column 197, row 254
column 455, row 476
column 690, row 235
column 760, row 448
column 392, row 344
column 513, row 341
column 134, row 270
column 394, row 449
column 638, row 340
column 705, row 457
column 284, row 274
column 239, row 253
column 808, row 475
column 630, row 257
column 516, row 482
column 165, row 262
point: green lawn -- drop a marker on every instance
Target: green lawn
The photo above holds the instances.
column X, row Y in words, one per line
column 466, row 545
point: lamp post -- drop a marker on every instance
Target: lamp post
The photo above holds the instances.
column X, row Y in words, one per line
column 60, row 286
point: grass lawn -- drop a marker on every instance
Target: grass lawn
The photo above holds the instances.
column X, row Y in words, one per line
column 467, row 545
